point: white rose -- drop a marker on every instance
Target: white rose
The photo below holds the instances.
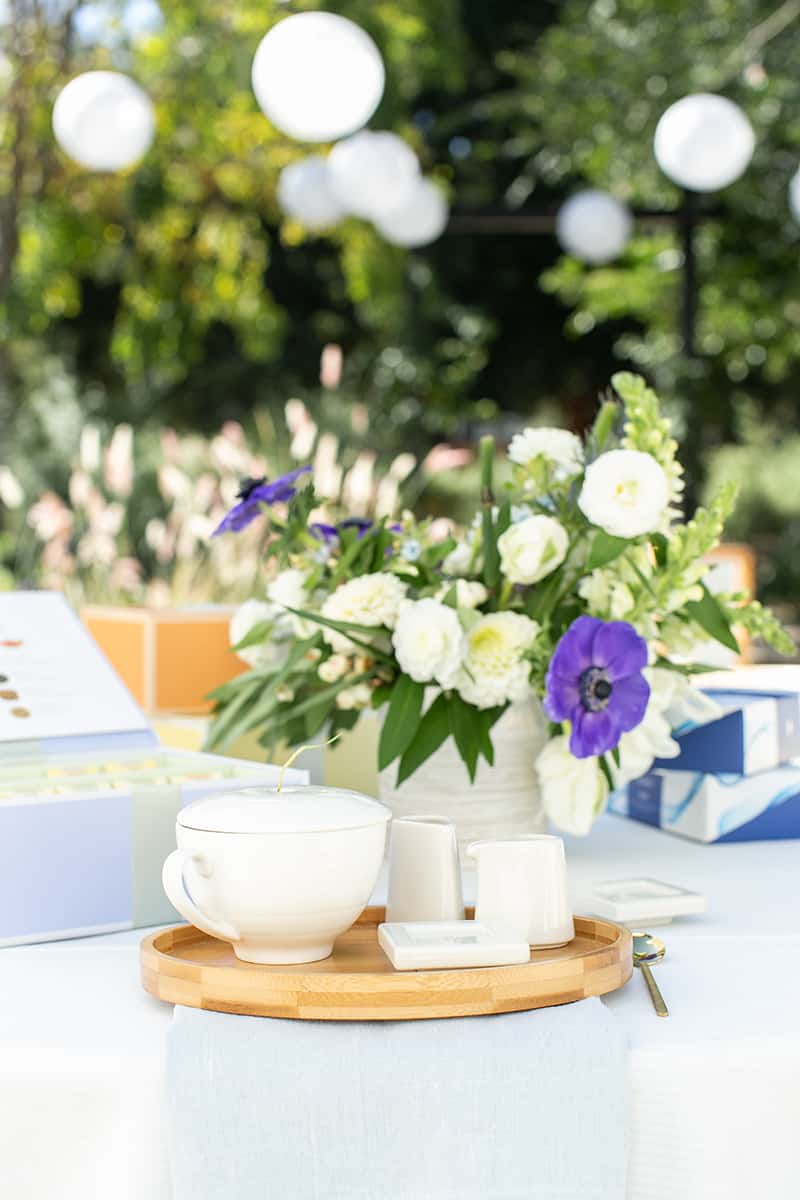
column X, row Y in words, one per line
column 333, row 668
column 365, row 600
column 558, row 447
column 494, row 670
column 469, row 592
column 532, row 549
column 356, row 697
column 574, row 790
column 269, row 653
column 429, row 641
column 288, row 590
column 625, row 492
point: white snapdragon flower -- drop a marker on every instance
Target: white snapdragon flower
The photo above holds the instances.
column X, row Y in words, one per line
column 270, row 652
column 495, row 671
column 470, row 593
column 365, row 600
column 356, row 697
column 333, row 668
column 606, row 595
column 625, row 492
column 532, row 549
column 429, row 641
column 574, row 790
column 558, row 447
column 288, row 590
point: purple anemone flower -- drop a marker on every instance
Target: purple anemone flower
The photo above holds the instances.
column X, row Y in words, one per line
column 330, row 533
column 254, row 493
column 595, row 681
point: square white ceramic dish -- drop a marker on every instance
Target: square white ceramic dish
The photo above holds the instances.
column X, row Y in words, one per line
column 643, row 901
column 429, row 945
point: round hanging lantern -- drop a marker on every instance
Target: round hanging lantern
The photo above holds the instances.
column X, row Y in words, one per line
column 704, row 142
column 421, row 220
column 104, row 121
column 305, row 193
column 593, row 226
column 317, row 76
column 373, row 174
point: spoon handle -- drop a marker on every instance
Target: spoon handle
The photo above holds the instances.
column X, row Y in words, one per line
column 654, row 990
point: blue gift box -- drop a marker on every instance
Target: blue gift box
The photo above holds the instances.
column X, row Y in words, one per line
column 758, row 731
column 88, row 798
column 716, row 808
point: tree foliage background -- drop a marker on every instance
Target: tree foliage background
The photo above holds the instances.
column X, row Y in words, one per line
column 175, row 292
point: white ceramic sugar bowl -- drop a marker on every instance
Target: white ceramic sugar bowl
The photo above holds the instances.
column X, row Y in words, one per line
column 279, row 874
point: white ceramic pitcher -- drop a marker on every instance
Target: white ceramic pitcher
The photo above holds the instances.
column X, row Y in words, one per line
column 424, row 870
column 523, row 882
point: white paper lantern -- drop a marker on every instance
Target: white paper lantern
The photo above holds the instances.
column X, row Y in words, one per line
column 317, row 76
column 704, row 142
column 422, row 219
column 305, row 193
column 593, row 226
column 104, row 121
column 373, row 174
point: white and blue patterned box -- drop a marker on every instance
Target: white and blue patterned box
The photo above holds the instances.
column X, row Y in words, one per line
column 758, row 730
column 88, row 798
column 716, row 808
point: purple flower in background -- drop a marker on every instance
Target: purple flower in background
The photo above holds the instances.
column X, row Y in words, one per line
column 595, row 681
column 330, row 533
column 254, row 493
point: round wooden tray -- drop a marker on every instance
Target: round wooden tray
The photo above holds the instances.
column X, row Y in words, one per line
column 358, row 983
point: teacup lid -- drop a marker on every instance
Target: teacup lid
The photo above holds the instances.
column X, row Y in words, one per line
column 309, row 809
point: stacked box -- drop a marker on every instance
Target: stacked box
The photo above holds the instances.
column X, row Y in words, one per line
column 88, row 799
column 737, row 778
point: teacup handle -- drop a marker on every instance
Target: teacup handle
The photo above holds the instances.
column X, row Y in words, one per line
column 173, row 877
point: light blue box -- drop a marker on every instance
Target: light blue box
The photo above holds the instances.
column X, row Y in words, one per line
column 757, row 731
column 716, row 808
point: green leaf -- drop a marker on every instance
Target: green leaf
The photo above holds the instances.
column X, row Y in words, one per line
column 381, row 695
column 604, row 424
column 541, row 600
column 402, row 720
column 709, row 616
column 257, row 634
column 661, row 547
column 491, row 557
column 464, row 727
column 348, row 628
column 253, row 705
column 605, row 549
column 450, row 597
column 503, row 518
column 486, row 718
column 433, row 730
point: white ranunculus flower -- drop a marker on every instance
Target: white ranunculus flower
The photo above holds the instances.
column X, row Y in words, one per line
column 470, row 593
column 429, row 641
column 494, row 670
column 288, row 590
column 270, row 653
column 574, row 790
column 365, row 600
column 625, row 492
column 357, row 696
column 558, row 447
column 532, row 549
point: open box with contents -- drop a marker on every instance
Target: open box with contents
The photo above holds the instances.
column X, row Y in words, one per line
column 88, row 799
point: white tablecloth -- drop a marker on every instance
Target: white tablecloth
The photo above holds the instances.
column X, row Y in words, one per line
column 716, row 1101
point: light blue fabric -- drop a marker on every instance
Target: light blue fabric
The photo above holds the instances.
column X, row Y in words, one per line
column 527, row 1105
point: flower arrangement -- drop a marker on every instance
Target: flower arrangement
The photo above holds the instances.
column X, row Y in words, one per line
column 579, row 586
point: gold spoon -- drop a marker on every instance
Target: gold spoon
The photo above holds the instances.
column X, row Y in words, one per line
column 647, row 949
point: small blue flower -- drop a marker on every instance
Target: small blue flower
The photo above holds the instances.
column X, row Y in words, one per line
column 322, row 555
column 253, row 494
column 410, row 549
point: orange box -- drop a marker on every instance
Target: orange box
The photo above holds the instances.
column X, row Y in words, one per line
column 169, row 658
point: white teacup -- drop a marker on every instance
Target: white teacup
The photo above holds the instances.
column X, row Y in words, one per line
column 279, row 875
column 523, row 882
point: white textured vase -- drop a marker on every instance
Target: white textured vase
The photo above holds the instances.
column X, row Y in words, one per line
column 504, row 801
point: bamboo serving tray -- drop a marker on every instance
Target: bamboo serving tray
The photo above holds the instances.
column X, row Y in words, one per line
column 358, row 983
